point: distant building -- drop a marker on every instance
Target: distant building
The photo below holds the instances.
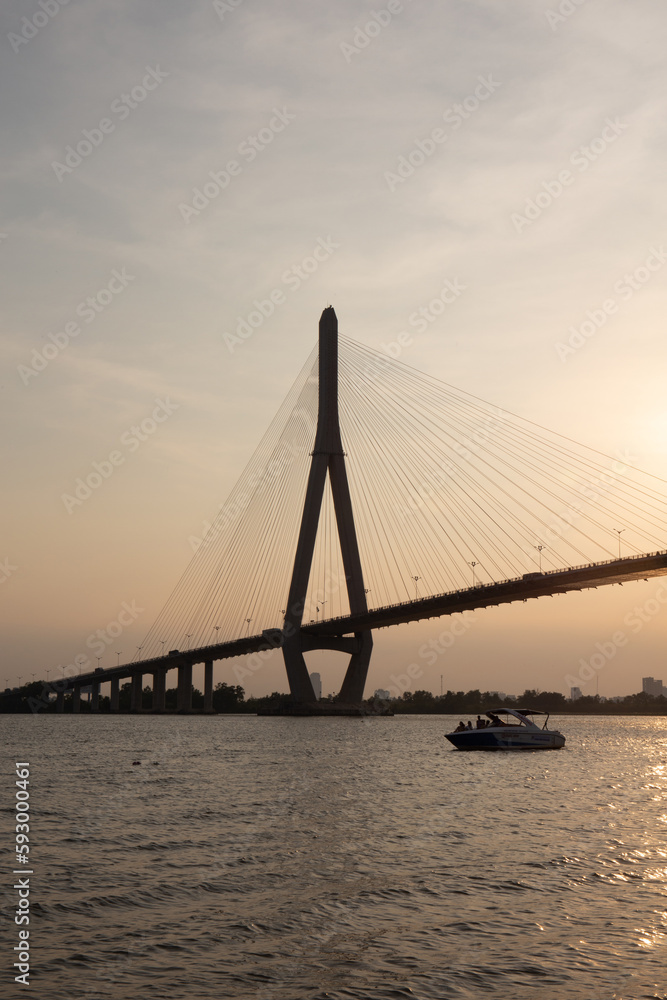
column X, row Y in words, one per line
column 316, row 681
column 382, row 694
column 652, row 686
column 575, row 694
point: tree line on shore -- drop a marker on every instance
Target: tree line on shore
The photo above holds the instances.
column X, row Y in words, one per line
column 230, row 698
column 478, row 702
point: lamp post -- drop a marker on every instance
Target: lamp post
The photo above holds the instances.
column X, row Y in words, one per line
column 619, row 532
column 47, row 676
column 473, row 564
column 216, row 629
column 248, row 620
column 539, row 549
column 118, row 654
column 416, row 580
column 98, row 658
column 188, row 636
column 162, row 642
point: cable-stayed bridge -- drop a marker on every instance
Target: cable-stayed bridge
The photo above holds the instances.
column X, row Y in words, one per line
column 378, row 496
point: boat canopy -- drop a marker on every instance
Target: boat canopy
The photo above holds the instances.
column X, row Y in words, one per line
column 522, row 714
column 513, row 711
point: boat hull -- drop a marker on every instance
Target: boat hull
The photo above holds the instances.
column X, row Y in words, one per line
column 507, row 738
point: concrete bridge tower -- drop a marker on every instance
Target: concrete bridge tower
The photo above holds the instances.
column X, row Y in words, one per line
column 328, row 456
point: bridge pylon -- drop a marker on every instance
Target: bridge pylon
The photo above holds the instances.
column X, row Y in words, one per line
column 327, row 456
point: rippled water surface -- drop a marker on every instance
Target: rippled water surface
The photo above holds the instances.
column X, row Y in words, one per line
column 281, row 859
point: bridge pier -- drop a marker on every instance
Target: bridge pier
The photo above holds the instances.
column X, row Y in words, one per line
column 159, row 689
column 95, row 698
column 208, row 686
column 184, row 696
column 115, row 694
column 76, row 699
column 352, row 691
column 135, row 704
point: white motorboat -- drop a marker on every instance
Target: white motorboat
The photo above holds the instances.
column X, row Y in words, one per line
column 518, row 732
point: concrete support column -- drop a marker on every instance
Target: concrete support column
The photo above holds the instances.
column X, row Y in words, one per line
column 60, row 701
column 137, row 680
column 159, row 689
column 185, row 688
column 76, row 698
column 208, row 686
column 95, row 698
column 115, row 694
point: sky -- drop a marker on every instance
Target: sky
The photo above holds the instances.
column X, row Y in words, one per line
column 167, row 166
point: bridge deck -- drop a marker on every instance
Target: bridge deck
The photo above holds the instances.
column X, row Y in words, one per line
column 531, row 585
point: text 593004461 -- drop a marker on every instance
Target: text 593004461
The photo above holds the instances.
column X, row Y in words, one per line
column 22, row 885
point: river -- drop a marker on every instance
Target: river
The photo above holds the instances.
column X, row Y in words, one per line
column 304, row 859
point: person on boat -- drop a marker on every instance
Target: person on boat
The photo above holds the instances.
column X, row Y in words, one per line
column 495, row 721
column 461, row 726
column 480, row 724
column 469, row 726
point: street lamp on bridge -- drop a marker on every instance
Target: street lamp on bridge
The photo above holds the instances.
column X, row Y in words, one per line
column 416, row 580
column 98, row 658
column 248, row 620
column 473, row 564
column 118, row 654
column 619, row 532
column 539, row 549
column 162, row 642
column 188, row 636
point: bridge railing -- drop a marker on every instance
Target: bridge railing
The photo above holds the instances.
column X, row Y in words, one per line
column 497, row 583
